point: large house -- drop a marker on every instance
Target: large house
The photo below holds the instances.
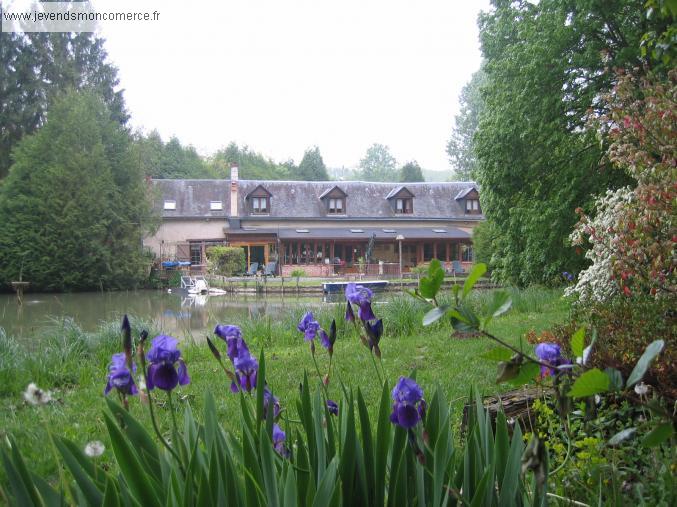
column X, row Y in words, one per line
column 323, row 227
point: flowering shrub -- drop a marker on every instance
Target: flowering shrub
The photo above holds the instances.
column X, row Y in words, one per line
column 633, row 235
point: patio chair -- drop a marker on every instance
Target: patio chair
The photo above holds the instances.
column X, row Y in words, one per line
column 270, row 269
column 457, row 267
column 253, row 268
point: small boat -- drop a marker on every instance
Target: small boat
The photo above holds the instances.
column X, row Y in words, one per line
column 200, row 286
column 340, row 287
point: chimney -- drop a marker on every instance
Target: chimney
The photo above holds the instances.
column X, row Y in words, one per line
column 233, row 190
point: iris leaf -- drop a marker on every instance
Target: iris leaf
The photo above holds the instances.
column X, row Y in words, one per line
column 130, row 466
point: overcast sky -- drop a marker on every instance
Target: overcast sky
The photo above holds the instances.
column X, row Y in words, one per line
column 284, row 75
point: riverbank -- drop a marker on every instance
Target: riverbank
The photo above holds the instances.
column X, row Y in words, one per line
column 72, row 365
column 305, row 285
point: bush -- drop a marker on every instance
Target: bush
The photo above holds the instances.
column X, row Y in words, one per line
column 625, row 327
column 225, row 260
column 483, row 236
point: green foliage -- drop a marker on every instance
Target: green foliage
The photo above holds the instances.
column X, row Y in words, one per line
column 483, row 237
column 334, row 460
column 600, row 457
column 571, row 381
column 461, row 148
column 411, row 171
column 546, row 66
column 36, row 67
column 312, row 166
column 74, row 208
column 168, row 160
column 251, row 164
column 297, row 273
column 582, row 381
column 378, row 164
column 625, row 327
column 225, row 260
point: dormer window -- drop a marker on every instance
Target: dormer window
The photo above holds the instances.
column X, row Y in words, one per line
column 336, row 206
column 260, row 205
column 405, row 206
column 334, row 200
column 469, row 199
column 170, row 205
column 472, row 205
column 401, row 200
column 259, row 201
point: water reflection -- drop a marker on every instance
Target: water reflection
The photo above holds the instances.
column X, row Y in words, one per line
column 174, row 313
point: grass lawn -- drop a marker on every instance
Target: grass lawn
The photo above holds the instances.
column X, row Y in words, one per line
column 72, row 364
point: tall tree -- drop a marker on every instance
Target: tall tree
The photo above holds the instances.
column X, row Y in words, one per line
column 75, row 208
column 378, row 164
column 547, row 64
column 34, row 67
column 411, row 171
column 252, row 165
column 312, row 166
column 168, row 160
column 461, row 146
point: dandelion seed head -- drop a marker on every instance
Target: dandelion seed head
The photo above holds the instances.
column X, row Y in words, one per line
column 94, row 448
column 641, row 388
column 36, row 396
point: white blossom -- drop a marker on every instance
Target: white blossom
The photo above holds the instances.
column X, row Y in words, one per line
column 595, row 284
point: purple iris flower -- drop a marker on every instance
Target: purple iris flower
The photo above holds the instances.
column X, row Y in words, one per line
column 162, row 372
column 568, row 276
column 119, row 376
column 324, row 339
column 552, row 354
column 309, row 326
column 232, row 335
column 360, row 296
column 333, row 407
column 278, row 441
column 246, row 369
column 268, row 400
column 409, row 405
column 350, row 316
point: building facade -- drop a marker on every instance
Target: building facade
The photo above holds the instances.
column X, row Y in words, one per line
column 320, row 227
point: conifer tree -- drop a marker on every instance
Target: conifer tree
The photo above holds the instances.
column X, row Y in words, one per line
column 74, row 207
column 312, row 166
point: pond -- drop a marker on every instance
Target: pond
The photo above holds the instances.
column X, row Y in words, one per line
column 177, row 314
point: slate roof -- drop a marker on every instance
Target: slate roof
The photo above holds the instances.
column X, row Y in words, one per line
column 465, row 192
column 301, row 199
